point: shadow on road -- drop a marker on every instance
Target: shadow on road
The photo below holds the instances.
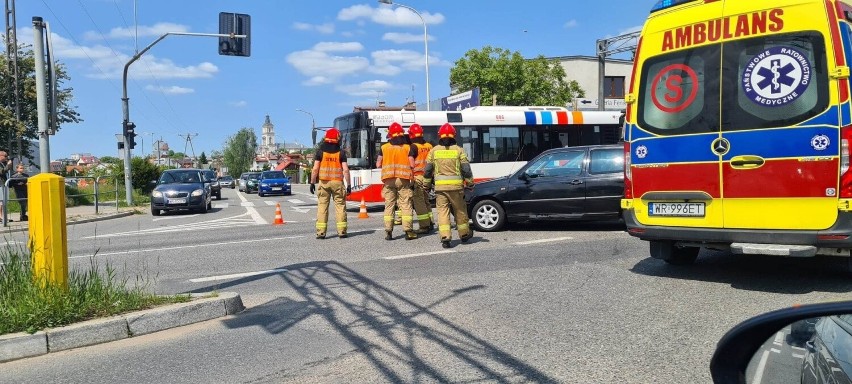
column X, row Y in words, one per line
column 757, row 273
column 574, row 226
column 403, row 340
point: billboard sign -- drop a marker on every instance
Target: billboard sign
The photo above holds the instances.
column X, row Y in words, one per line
column 460, row 101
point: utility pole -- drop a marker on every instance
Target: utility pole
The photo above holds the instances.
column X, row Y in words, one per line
column 12, row 61
column 41, row 94
column 188, row 141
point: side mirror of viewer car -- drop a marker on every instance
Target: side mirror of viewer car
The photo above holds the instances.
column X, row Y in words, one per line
column 769, row 346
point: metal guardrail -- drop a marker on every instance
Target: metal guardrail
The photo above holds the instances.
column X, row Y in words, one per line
column 95, row 194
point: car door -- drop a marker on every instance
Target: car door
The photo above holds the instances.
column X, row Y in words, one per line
column 604, row 182
column 549, row 187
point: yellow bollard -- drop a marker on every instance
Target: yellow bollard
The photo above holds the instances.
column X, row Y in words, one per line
column 48, row 234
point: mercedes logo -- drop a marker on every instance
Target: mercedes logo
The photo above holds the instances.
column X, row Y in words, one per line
column 721, row 146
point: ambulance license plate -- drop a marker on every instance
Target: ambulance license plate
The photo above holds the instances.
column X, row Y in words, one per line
column 676, row 209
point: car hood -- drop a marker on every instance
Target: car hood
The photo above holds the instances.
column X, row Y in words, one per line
column 285, row 180
column 179, row 187
column 492, row 182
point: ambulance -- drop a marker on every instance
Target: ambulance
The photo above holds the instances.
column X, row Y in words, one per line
column 738, row 128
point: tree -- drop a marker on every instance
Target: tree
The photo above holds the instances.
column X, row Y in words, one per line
column 202, row 159
column 141, row 173
column 27, row 128
column 110, row 160
column 513, row 79
column 238, row 154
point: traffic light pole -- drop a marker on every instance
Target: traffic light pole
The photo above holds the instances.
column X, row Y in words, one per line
column 125, row 104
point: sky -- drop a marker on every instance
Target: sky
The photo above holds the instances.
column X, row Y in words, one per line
column 321, row 57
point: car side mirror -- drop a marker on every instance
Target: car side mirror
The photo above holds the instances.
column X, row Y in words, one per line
column 523, row 176
column 152, row 182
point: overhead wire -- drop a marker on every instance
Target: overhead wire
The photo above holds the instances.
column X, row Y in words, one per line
column 115, row 53
column 80, row 47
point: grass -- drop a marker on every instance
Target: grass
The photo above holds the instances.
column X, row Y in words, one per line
column 27, row 305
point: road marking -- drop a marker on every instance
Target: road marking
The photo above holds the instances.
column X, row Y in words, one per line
column 247, row 204
column 250, row 210
column 761, row 366
column 220, row 205
column 417, row 255
column 296, row 201
column 233, row 221
column 543, row 240
column 182, row 247
column 174, row 217
column 237, row 275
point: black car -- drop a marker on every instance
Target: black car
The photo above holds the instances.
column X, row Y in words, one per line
column 571, row 183
column 181, row 189
column 251, row 182
column 215, row 188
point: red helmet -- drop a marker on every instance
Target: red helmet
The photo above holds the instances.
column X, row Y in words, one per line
column 447, row 130
column 415, row 130
column 332, row 135
column 395, row 130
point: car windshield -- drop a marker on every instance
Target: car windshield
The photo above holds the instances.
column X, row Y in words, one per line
column 210, row 175
column 225, row 178
column 173, row 177
column 273, row 175
column 253, row 176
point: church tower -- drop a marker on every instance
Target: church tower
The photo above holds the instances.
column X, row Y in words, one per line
column 267, row 138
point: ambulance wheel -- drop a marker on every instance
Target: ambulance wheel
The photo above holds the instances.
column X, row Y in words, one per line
column 668, row 252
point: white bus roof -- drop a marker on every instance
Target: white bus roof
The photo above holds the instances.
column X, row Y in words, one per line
column 494, row 117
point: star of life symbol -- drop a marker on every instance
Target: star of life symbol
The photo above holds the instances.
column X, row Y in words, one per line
column 820, row 142
column 641, row 151
column 776, row 76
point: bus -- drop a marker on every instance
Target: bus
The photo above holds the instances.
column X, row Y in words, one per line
column 497, row 139
column 738, row 129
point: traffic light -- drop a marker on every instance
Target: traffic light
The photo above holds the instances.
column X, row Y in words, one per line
column 130, row 134
column 234, row 24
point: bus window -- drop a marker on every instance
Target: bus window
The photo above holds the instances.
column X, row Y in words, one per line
column 354, row 143
column 799, row 92
column 680, row 92
column 499, row 144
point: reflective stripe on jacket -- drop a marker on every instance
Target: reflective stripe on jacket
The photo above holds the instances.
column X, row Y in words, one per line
column 395, row 161
column 330, row 167
column 420, row 162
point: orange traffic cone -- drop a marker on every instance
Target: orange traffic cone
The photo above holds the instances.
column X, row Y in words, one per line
column 278, row 218
column 362, row 213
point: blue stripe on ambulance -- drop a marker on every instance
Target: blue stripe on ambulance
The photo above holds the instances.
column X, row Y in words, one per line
column 674, row 149
column 846, row 116
column 784, row 143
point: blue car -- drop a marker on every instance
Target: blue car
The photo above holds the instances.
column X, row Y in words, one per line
column 273, row 183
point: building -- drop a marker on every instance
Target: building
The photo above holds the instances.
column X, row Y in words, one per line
column 267, row 138
column 584, row 70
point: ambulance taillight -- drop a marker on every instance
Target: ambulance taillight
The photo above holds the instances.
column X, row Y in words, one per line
column 628, row 174
column 845, row 173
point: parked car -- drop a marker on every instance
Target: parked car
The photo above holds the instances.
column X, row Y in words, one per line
column 181, row 189
column 215, row 188
column 251, row 182
column 273, row 183
column 227, row 182
column 571, row 183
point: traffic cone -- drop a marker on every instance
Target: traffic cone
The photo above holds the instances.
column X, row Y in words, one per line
column 362, row 212
column 278, row 218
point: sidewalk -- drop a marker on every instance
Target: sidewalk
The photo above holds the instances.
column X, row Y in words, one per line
column 75, row 215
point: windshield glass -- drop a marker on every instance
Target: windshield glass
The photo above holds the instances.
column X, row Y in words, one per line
column 274, row 175
column 253, row 176
column 173, row 177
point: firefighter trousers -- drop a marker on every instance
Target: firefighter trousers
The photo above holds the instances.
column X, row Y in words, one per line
column 452, row 202
column 397, row 192
column 328, row 191
column 420, row 203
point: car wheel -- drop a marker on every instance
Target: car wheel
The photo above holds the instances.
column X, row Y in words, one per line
column 668, row 252
column 488, row 216
column 155, row 212
column 259, row 194
column 219, row 195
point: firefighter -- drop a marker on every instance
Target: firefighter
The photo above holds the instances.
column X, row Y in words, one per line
column 396, row 161
column 420, row 198
column 448, row 166
column 330, row 170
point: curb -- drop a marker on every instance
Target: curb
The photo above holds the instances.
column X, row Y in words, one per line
column 22, row 345
column 71, row 221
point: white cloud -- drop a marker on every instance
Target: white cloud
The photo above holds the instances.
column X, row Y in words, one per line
column 632, row 29
column 239, row 104
column 124, row 33
column 370, row 88
column 173, row 90
column 405, row 59
column 104, row 63
column 320, row 65
column 326, row 28
column 386, row 15
column 571, row 23
column 338, row 47
column 318, row 80
column 401, row 38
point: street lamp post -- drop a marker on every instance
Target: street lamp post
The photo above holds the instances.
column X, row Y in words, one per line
column 425, row 46
column 313, row 125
